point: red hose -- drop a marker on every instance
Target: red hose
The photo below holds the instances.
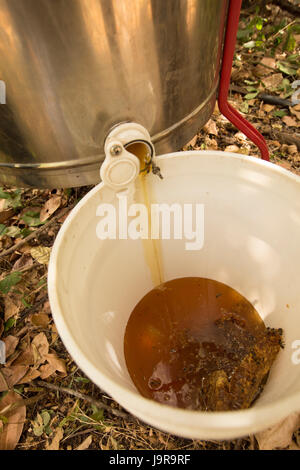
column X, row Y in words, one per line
column 226, row 109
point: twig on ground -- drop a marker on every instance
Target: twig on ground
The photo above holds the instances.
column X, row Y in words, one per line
column 285, row 138
column 255, row 62
column 35, row 264
column 84, row 397
column 34, row 234
column 22, row 402
column 34, row 307
column 286, row 5
column 281, row 30
column 76, row 434
column 270, row 99
column 258, row 62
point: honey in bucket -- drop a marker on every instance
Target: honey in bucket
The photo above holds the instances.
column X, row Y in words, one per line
column 196, row 343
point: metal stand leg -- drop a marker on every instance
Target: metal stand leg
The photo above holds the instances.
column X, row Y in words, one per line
column 226, row 109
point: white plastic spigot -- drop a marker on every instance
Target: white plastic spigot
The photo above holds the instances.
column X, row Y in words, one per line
column 121, row 167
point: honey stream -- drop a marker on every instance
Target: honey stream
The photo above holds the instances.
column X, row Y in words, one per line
column 143, row 195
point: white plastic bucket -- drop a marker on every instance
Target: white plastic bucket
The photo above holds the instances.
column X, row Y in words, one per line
column 252, row 243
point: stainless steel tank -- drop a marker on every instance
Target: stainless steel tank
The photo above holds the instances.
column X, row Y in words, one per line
column 75, row 68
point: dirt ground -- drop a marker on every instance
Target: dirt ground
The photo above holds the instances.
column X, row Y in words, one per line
column 46, row 401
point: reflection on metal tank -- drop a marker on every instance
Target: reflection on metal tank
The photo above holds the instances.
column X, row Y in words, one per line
column 75, row 68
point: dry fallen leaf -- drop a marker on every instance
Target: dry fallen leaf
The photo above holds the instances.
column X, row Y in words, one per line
column 216, row 111
column 285, row 165
column 26, row 358
column 12, row 430
column 85, row 444
column 56, row 440
column 268, row 107
column 25, row 248
column 41, row 254
column 58, row 364
column 50, row 207
column 12, row 358
column 240, row 137
column 280, row 435
column 211, row 127
column 232, row 148
column 46, row 307
column 10, row 376
column 29, row 376
column 260, row 70
column 290, row 122
column 54, row 364
column 12, row 305
column 272, row 81
column 275, row 143
column 3, row 204
column 10, row 344
column 269, row 61
column 261, row 112
column 2, row 352
column 40, row 347
column 292, row 149
column 6, row 214
column 295, row 111
column 40, row 319
column 46, row 371
column 23, row 262
column 239, row 74
column 293, row 446
column 54, row 334
column 192, row 142
column 211, row 144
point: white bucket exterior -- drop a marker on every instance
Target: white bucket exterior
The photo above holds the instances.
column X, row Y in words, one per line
column 252, row 243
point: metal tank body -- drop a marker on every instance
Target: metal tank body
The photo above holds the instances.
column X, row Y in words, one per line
column 74, row 68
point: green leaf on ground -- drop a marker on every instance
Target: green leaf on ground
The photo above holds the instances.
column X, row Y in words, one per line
column 251, row 89
column 41, row 423
column 9, row 323
column 244, row 107
column 250, row 82
column 25, row 232
column 32, row 219
column 3, row 230
column 4, row 419
column 294, row 58
column 286, row 68
column 9, row 281
column 290, row 42
column 280, row 113
column 25, row 303
column 13, row 231
column 250, row 96
column 13, row 199
column 81, row 379
column 97, row 414
column 259, row 23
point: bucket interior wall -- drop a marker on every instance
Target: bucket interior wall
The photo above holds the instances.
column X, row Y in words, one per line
column 251, row 243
